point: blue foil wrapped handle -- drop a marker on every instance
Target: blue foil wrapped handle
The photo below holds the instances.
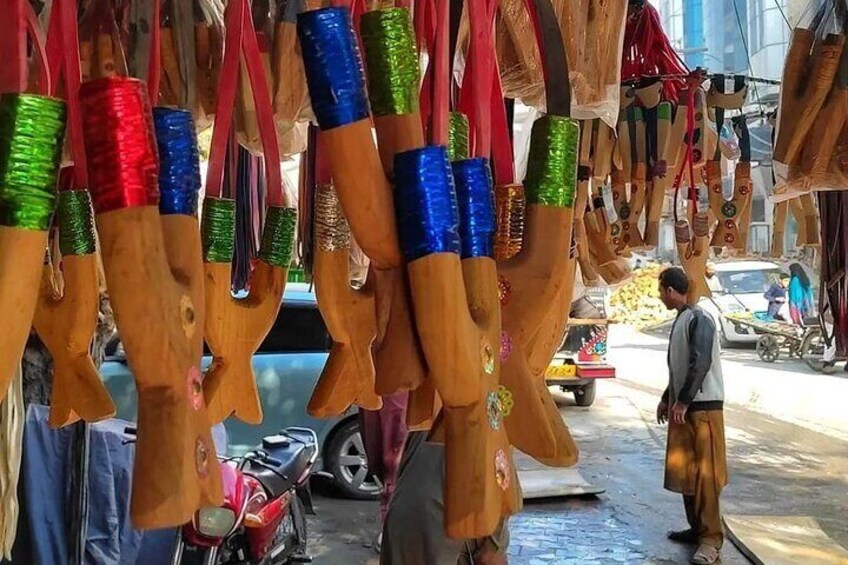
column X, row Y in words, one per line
column 474, row 195
column 425, row 199
column 333, row 64
column 179, row 161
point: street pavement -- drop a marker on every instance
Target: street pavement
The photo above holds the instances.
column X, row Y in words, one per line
column 776, row 467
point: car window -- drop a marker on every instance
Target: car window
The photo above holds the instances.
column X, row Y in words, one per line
column 746, row 282
column 298, row 328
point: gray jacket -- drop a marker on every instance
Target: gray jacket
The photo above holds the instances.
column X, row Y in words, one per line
column 694, row 361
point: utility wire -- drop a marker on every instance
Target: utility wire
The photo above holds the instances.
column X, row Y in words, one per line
column 747, row 51
column 782, row 13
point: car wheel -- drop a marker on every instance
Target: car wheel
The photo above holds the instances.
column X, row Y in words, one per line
column 346, row 461
column 585, row 395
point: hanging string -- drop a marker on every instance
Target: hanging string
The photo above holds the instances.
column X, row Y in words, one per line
column 747, row 51
column 687, row 158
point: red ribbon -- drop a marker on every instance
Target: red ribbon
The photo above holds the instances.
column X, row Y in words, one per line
column 13, row 71
column 240, row 35
column 64, row 61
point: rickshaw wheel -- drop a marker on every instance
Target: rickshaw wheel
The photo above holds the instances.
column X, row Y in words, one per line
column 768, row 348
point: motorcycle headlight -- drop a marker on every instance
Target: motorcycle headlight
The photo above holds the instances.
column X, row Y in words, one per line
column 215, row 522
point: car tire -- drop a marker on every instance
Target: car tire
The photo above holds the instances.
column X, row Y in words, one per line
column 345, row 460
column 585, row 395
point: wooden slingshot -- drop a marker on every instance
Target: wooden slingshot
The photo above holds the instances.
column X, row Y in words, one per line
column 742, row 181
column 155, row 278
column 350, row 316
column 457, row 312
column 598, row 230
column 21, row 253
column 154, row 274
column 803, row 209
column 235, row 327
column 830, row 121
column 781, row 212
column 23, row 223
column 807, row 80
column 393, row 81
column 581, row 203
column 693, row 251
column 66, row 324
column 727, row 212
column 660, row 173
column 543, row 271
column 358, row 177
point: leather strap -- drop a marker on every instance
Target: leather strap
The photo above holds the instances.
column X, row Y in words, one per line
column 719, row 116
column 241, row 36
column 740, row 126
column 554, row 60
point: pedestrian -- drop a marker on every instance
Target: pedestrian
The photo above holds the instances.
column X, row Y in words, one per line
column 696, row 460
column 383, row 436
column 776, row 296
column 414, row 530
column 801, row 304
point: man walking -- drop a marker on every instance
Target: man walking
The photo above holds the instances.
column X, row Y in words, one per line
column 696, row 460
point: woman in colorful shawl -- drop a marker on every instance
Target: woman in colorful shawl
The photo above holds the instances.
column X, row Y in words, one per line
column 801, row 304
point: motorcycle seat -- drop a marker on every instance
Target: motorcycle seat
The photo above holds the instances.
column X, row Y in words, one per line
column 283, row 459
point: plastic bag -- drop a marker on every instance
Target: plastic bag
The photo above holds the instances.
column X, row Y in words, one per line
column 592, row 32
column 810, row 145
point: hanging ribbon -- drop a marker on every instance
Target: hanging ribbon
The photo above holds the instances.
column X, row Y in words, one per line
column 552, row 52
column 13, row 71
column 64, row 62
column 242, row 36
column 690, row 144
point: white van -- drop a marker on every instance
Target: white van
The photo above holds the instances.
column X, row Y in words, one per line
column 739, row 286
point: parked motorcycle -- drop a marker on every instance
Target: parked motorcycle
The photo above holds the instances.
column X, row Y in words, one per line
column 263, row 518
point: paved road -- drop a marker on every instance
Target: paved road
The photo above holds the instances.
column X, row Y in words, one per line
column 776, row 468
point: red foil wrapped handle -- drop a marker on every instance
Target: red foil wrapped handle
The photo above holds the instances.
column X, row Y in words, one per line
column 120, row 144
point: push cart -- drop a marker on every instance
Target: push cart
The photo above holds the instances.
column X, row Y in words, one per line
column 802, row 342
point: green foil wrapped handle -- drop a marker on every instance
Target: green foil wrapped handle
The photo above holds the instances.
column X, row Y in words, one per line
column 552, row 166
column 218, row 229
column 76, row 223
column 391, row 57
column 278, row 236
column 32, row 131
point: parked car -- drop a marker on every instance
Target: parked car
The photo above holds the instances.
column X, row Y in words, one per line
column 739, row 286
column 287, row 366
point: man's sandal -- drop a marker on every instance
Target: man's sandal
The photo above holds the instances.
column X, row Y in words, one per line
column 684, row 536
column 706, row 555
